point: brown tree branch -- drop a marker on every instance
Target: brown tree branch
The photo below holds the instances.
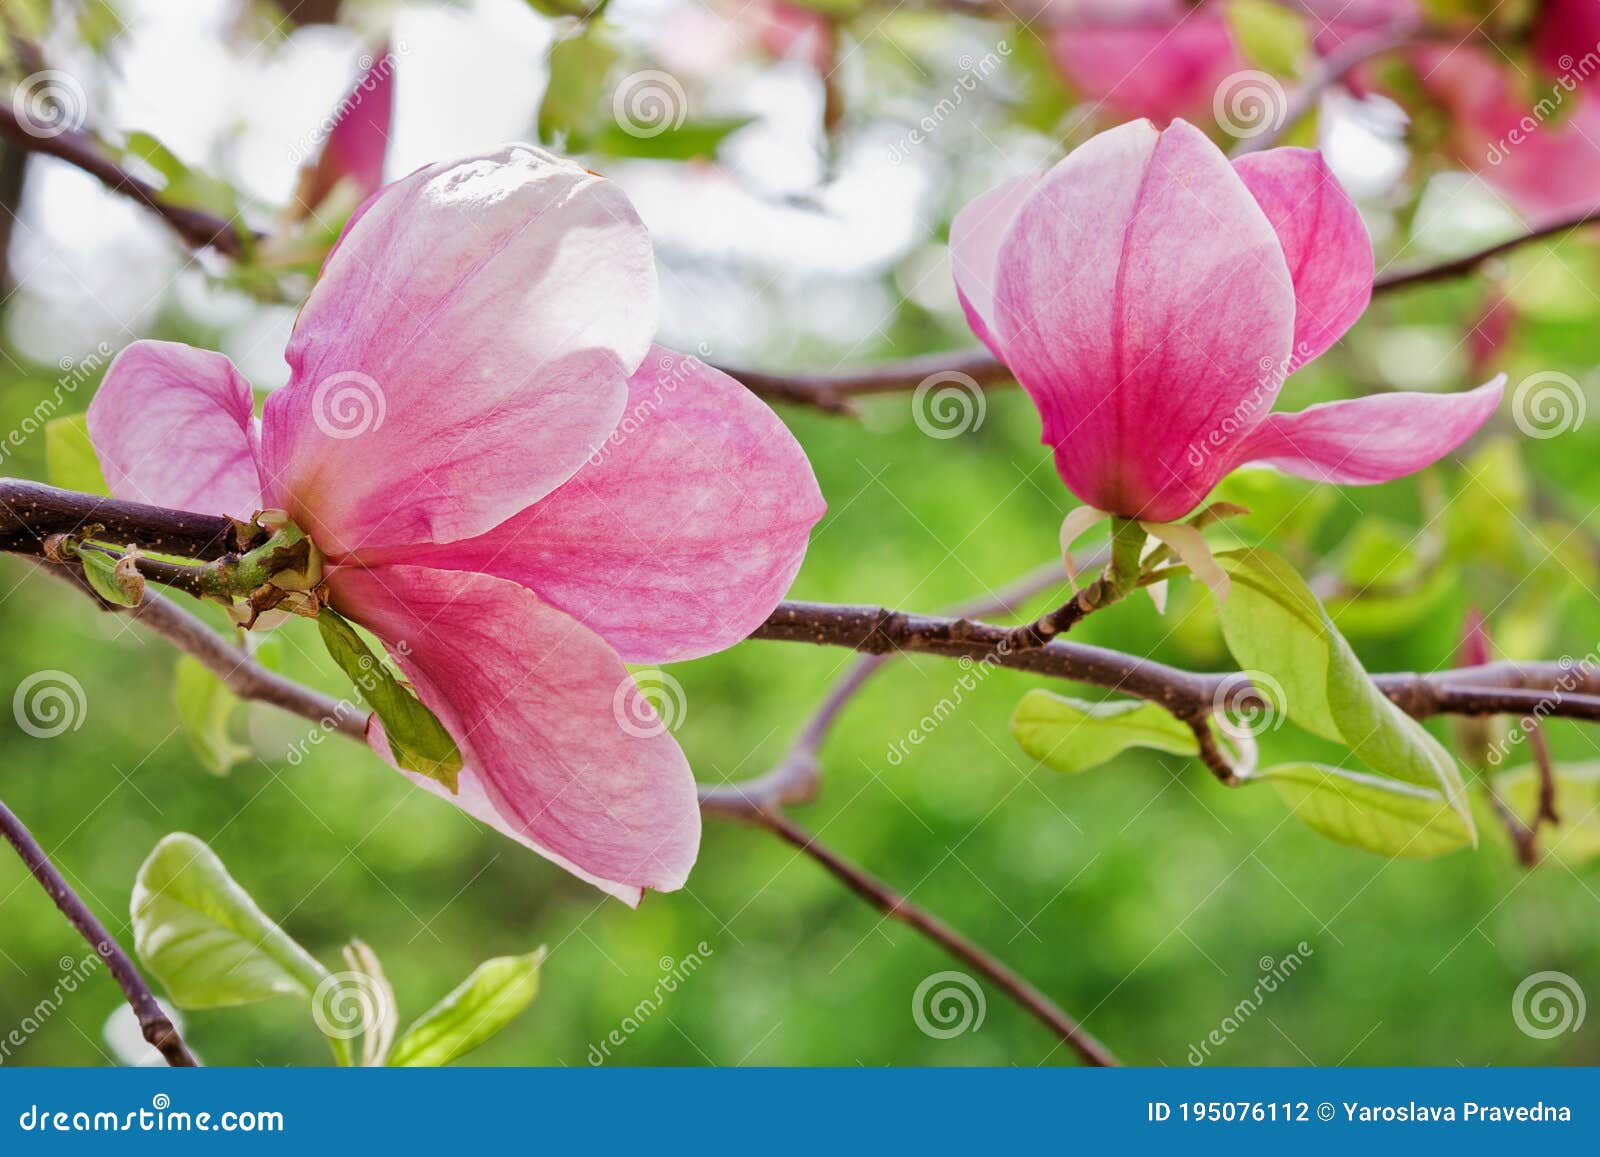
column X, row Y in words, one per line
column 197, row 228
column 896, row 907
column 157, row 1027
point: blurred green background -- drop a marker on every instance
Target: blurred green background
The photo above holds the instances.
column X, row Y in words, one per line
column 1141, row 896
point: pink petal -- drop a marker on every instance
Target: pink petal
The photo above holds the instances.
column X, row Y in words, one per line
column 679, row 536
column 1324, row 241
column 975, row 236
column 1145, row 306
column 537, row 703
column 173, row 426
column 1373, row 439
column 1152, row 58
column 359, row 140
column 466, row 347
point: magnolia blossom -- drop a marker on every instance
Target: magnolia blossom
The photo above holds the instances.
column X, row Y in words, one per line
column 1151, row 297
column 1172, row 58
column 357, row 138
column 1534, row 137
column 515, row 491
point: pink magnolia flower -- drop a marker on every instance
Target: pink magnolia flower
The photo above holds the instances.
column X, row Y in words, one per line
column 1149, row 58
column 359, row 139
column 1544, row 158
column 513, row 488
column 1151, row 297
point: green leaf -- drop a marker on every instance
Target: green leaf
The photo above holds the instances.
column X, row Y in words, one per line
column 576, row 100
column 198, row 931
column 1576, row 839
column 206, row 708
column 70, row 460
column 480, row 1006
column 182, row 185
column 1282, row 638
column 417, row 739
column 109, row 583
column 1071, row 735
column 695, row 139
column 1269, row 35
column 1369, row 812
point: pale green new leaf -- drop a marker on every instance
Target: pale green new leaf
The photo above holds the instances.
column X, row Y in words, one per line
column 417, row 740
column 1280, row 635
column 198, row 931
column 1367, row 811
column 1071, row 735
column 480, row 1006
column 1576, row 839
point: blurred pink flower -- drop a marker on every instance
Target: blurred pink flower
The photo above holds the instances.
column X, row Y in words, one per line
column 1535, row 140
column 1149, row 58
column 1151, row 297
column 357, row 143
column 514, row 489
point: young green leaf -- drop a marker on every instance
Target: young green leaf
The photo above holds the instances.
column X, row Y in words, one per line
column 1367, row 811
column 1269, row 35
column 478, row 1008
column 206, row 709
column 1275, row 626
column 417, row 739
column 1071, row 735
column 69, row 456
column 198, row 931
column 108, row 581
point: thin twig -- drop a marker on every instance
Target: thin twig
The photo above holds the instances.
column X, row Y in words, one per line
column 157, row 1027
column 794, row 778
column 1545, row 812
column 196, row 227
column 1460, row 266
column 1329, row 71
column 896, row 907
